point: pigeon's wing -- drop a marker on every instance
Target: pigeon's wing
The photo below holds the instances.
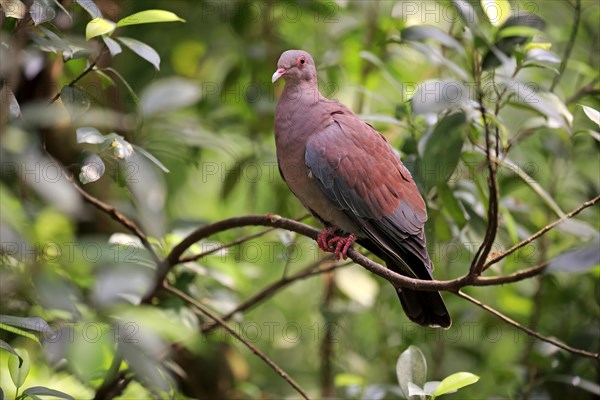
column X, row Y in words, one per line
column 360, row 173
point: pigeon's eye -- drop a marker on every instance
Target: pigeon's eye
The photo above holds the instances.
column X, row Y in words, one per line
column 301, row 61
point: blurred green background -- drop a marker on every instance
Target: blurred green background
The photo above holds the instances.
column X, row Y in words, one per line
column 206, row 116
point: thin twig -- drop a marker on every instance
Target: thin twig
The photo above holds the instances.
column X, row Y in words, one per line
column 570, row 44
column 117, row 216
column 81, row 75
column 273, row 288
column 539, row 233
column 201, row 310
column 526, row 329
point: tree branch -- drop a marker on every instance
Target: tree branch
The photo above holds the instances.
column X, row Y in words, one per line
column 539, row 233
column 526, row 329
column 570, row 44
column 201, row 310
column 492, row 226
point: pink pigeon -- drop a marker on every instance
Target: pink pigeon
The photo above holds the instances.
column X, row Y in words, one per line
column 349, row 177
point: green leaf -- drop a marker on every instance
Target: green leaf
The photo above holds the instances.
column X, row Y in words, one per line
column 497, row 11
column 134, row 96
column 452, row 205
column 467, row 14
column 411, row 367
column 149, row 16
column 455, row 382
column 442, row 149
column 36, row 324
column 149, row 156
column 8, row 347
column 97, row 27
column 44, row 391
column 19, row 367
column 434, row 96
column 518, row 31
column 75, row 101
column 142, row 50
column 592, row 114
column 345, row 379
column 579, row 260
column 88, row 134
column 20, row 332
column 92, row 168
column 107, row 81
column 422, row 32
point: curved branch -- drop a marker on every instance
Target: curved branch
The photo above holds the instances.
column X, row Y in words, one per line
column 539, row 233
column 200, row 309
column 527, row 330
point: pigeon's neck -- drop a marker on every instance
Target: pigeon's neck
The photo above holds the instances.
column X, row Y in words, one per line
column 306, row 92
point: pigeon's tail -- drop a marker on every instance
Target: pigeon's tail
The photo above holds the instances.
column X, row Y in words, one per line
column 425, row 308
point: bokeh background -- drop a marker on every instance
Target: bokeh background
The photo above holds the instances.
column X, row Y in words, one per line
column 206, row 116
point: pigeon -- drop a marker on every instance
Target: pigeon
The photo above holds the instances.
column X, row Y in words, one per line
column 352, row 181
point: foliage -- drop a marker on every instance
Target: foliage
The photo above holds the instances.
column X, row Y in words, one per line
column 177, row 133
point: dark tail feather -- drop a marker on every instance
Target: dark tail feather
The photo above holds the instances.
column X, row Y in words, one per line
column 424, row 308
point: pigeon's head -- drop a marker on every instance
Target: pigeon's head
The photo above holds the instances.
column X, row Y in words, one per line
column 295, row 66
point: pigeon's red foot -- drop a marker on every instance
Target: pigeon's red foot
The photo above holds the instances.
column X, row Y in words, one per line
column 330, row 242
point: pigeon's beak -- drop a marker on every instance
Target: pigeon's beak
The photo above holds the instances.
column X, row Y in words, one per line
column 278, row 74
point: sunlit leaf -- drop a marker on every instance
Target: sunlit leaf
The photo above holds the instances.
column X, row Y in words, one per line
column 497, row 11
column 142, row 50
column 579, row 260
column 89, row 134
column 414, row 390
column 113, row 46
column 149, row 16
column 592, row 114
column 358, row 285
column 345, row 379
column 18, row 367
column 97, row 27
column 411, row 367
column 542, row 55
column 455, row 382
column 13, row 8
column 90, row 7
column 92, row 169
